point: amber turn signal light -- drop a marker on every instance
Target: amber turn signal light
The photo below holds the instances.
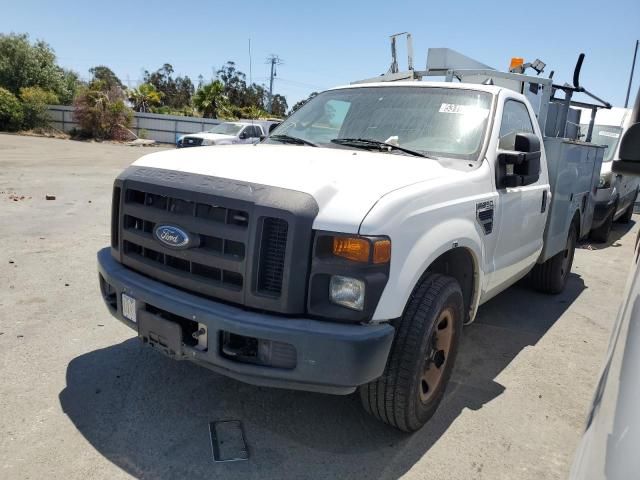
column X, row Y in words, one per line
column 356, row 249
column 381, row 251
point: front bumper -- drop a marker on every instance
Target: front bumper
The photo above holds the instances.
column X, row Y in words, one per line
column 330, row 357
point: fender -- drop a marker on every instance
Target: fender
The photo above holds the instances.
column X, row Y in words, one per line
column 424, row 221
column 407, row 268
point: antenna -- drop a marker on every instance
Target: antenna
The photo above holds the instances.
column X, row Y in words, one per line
column 250, row 71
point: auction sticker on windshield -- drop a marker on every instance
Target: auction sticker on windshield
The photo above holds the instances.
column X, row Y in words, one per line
column 604, row 133
column 463, row 109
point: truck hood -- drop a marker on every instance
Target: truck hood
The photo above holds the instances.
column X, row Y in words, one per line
column 345, row 183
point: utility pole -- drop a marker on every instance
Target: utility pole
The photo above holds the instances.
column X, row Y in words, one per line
column 633, row 66
column 273, row 60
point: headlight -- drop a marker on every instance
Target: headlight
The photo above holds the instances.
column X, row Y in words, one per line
column 348, row 275
column 605, row 180
column 347, row 291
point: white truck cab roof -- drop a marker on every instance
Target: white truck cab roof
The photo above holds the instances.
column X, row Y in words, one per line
column 493, row 89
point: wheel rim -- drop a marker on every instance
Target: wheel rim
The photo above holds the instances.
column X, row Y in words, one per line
column 567, row 258
column 437, row 355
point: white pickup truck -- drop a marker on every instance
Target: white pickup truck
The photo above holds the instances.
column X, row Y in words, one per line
column 228, row 133
column 348, row 249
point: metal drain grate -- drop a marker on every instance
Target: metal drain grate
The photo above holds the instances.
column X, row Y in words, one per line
column 227, row 441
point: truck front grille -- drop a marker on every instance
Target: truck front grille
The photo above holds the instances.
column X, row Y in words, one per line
column 214, row 266
column 240, row 243
column 217, row 264
column 191, row 142
column 272, row 255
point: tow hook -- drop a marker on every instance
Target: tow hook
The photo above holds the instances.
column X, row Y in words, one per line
column 199, row 333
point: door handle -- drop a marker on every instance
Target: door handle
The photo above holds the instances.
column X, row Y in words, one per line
column 543, row 207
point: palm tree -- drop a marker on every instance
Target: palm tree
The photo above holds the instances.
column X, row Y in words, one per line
column 144, row 97
column 210, row 99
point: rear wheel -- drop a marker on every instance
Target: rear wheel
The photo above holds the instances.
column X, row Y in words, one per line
column 421, row 358
column 552, row 275
column 601, row 234
column 628, row 213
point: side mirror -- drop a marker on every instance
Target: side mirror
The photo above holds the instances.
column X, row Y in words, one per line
column 522, row 165
column 243, row 136
column 629, row 162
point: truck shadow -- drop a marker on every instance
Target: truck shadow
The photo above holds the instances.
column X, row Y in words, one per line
column 618, row 230
column 149, row 415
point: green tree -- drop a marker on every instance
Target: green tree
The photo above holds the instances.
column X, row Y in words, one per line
column 103, row 78
column 278, row 105
column 297, row 105
column 176, row 92
column 34, row 106
column 256, row 95
column 210, row 99
column 11, row 114
column 102, row 114
column 23, row 64
column 235, row 84
column 70, row 84
column 144, row 97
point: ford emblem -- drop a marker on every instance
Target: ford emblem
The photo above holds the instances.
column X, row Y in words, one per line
column 172, row 236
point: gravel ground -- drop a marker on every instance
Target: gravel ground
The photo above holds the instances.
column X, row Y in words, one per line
column 81, row 398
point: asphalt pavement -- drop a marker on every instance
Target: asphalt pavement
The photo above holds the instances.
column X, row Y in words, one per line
column 80, row 397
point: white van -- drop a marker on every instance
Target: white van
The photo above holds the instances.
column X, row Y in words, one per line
column 616, row 194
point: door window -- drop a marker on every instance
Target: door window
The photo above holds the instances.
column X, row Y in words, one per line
column 515, row 119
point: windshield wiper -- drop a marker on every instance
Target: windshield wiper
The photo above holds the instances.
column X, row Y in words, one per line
column 290, row 139
column 370, row 143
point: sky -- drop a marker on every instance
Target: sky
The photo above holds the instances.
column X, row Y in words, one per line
column 331, row 43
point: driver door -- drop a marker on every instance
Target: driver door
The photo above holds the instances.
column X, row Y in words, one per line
column 522, row 210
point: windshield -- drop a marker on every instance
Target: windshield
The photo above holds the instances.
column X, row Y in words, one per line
column 435, row 121
column 226, row 129
column 604, row 135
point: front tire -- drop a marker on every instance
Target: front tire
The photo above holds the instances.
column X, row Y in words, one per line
column 422, row 356
column 552, row 275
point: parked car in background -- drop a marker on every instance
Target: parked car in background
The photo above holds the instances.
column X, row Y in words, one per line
column 616, row 193
column 229, row 133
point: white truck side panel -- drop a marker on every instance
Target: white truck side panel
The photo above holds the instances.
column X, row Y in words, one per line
column 424, row 221
column 574, row 170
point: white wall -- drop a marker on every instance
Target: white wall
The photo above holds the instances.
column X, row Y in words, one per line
column 161, row 128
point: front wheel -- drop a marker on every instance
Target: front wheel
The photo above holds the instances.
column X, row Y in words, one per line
column 421, row 358
column 552, row 275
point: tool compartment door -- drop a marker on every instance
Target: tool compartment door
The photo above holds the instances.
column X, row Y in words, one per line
column 574, row 170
